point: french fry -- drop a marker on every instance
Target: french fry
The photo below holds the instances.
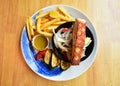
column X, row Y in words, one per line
column 44, row 20
column 39, row 14
column 30, row 26
column 50, row 28
column 50, row 22
column 42, row 15
column 49, row 35
column 28, row 30
column 59, row 22
column 34, row 27
column 64, row 18
column 65, row 13
column 38, row 25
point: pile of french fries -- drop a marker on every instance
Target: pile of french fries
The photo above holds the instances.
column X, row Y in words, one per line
column 47, row 21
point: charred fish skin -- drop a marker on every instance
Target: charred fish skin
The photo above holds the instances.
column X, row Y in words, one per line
column 78, row 35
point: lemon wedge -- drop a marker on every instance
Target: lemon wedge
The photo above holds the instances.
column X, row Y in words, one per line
column 54, row 14
column 87, row 41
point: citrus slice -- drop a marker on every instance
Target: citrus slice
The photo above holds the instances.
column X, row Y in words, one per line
column 54, row 14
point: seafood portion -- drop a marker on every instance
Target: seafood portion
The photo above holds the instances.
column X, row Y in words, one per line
column 78, row 36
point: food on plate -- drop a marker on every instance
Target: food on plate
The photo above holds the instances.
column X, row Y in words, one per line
column 49, row 23
column 30, row 32
column 47, row 57
column 78, row 36
column 65, row 13
column 62, row 40
column 54, row 14
column 46, row 22
column 40, row 54
column 39, row 42
column 55, row 61
column 87, row 41
column 70, row 43
column 52, row 60
column 41, row 14
column 30, row 26
column 64, row 65
column 47, row 34
column 38, row 25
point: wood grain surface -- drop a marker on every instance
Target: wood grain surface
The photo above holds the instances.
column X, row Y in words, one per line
column 105, row 71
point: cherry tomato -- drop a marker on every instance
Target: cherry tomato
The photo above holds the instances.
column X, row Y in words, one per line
column 40, row 54
column 64, row 30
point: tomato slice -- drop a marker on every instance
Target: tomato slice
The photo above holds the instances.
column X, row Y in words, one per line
column 64, row 30
column 40, row 54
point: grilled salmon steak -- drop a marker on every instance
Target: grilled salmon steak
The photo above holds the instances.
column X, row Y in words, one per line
column 78, row 40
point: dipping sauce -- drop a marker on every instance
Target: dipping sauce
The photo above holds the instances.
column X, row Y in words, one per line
column 40, row 42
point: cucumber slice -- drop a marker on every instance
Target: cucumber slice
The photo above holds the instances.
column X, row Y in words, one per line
column 48, row 56
column 55, row 61
column 64, row 65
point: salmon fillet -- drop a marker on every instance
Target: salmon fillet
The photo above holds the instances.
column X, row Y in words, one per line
column 78, row 40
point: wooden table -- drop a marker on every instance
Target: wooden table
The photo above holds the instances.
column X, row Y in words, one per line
column 105, row 71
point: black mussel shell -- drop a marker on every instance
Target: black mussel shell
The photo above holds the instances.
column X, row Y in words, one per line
column 88, row 49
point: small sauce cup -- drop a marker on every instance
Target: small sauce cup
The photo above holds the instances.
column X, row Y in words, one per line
column 40, row 42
